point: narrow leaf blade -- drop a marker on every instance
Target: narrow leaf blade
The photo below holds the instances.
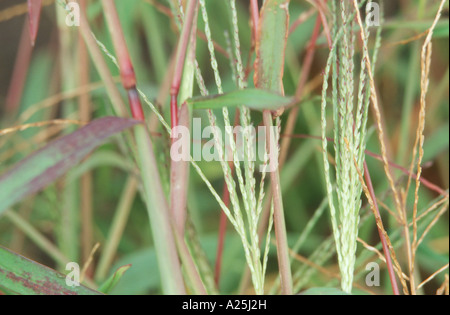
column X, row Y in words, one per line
column 271, row 45
column 47, row 164
column 253, row 98
column 113, row 280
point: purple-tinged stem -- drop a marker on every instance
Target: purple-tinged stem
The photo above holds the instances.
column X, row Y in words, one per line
column 387, row 254
column 125, row 65
column 254, row 10
column 179, row 170
column 34, row 14
column 20, row 71
column 87, row 233
column 180, row 59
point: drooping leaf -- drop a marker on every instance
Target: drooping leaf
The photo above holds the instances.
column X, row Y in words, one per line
column 19, row 275
column 253, row 98
column 113, row 280
column 34, row 13
column 47, row 164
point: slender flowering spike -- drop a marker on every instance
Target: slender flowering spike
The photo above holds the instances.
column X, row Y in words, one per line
column 350, row 112
column 126, row 67
column 34, row 13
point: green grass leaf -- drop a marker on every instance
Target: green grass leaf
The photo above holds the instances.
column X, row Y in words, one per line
column 113, row 280
column 47, row 164
column 253, row 98
column 19, row 275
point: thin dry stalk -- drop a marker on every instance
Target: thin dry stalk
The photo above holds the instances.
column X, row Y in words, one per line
column 432, row 223
column 325, row 271
column 381, row 256
column 381, row 138
column 391, row 213
column 374, row 99
column 383, row 234
column 86, row 180
column 431, row 208
column 424, row 82
column 444, row 288
column 88, row 262
column 432, row 276
column 40, row 124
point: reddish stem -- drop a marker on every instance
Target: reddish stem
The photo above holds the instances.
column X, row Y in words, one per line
column 300, row 20
column 180, row 59
column 20, row 71
column 387, row 254
column 321, row 8
column 255, row 17
column 174, row 108
column 307, row 62
column 125, row 65
column 34, row 14
column 222, row 233
column 135, row 104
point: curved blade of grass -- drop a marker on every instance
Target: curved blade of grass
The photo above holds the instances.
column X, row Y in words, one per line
column 47, row 164
column 113, row 280
column 253, row 98
column 19, row 275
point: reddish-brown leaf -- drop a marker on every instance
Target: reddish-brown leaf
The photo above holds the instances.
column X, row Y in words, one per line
column 45, row 165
